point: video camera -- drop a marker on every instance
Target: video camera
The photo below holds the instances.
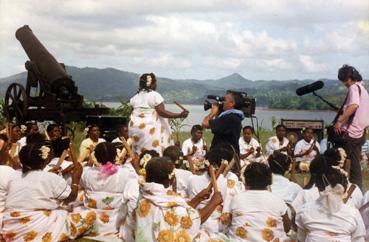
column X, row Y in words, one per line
column 247, row 104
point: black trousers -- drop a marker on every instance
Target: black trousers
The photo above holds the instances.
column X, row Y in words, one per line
column 353, row 150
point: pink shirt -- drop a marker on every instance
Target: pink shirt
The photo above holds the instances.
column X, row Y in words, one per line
column 361, row 118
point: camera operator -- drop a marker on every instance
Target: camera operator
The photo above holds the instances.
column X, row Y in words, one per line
column 225, row 126
column 353, row 119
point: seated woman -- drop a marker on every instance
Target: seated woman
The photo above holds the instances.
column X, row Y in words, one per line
column 328, row 218
column 306, row 149
column 195, row 146
column 162, row 214
column 335, row 158
column 283, row 188
column 257, row 214
column 104, row 186
column 33, row 205
column 58, row 163
column 6, row 172
column 250, row 149
column 175, row 154
column 88, row 145
column 228, row 186
column 279, row 142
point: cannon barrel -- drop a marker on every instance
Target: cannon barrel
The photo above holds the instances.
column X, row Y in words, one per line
column 38, row 54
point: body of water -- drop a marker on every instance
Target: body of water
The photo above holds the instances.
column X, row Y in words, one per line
column 264, row 116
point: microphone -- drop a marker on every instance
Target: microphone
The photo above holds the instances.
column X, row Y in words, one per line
column 309, row 88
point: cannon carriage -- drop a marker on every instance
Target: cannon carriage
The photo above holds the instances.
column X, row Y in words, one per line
column 50, row 93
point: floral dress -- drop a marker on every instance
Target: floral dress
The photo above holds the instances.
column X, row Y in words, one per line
column 148, row 130
column 164, row 216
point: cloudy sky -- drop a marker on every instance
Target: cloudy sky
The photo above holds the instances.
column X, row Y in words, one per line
column 260, row 39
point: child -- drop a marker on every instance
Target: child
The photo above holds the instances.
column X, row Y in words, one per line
column 249, row 147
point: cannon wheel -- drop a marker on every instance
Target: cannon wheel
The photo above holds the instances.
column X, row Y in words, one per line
column 16, row 102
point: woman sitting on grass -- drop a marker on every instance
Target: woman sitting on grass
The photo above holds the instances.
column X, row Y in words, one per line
column 33, row 209
column 328, row 218
column 258, row 214
column 163, row 215
column 104, row 186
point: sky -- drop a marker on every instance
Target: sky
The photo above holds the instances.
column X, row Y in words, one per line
column 200, row 39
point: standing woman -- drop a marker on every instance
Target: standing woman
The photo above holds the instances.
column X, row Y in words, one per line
column 149, row 126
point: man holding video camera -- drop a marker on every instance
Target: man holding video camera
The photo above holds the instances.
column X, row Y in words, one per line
column 225, row 120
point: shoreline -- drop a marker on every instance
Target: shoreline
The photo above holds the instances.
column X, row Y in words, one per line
column 257, row 108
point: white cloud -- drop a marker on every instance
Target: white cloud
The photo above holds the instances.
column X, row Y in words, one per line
column 309, row 65
column 193, row 39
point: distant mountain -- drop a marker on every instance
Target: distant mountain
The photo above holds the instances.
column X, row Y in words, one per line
column 110, row 84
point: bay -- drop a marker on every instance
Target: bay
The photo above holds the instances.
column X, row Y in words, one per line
column 264, row 116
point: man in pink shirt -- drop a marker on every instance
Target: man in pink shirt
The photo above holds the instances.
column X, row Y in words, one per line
column 354, row 119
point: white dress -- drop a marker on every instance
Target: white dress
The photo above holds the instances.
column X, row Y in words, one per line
column 301, row 147
column 315, row 224
column 104, row 195
column 187, row 148
column 6, row 173
column 245, row 147
column 365, row 214
column 148, row 130
column 284, row 189
column 257, row 216
column 196, row 185
column 312, row 194
column 33, row 212
column 182, row 181
column 273, row 144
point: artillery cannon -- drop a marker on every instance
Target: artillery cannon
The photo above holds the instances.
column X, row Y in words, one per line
column 50, row 93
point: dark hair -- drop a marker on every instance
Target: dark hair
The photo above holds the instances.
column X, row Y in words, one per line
column 326, row 175
column 257, row 176
column 4, row 137
column 174, row 153
column 105, row 152
column 29, row 126
column 280, row 126
column 15, row 126
column 196, row 127
column 237, row 98
column 143, row 82
column 332, row 156
column 59, row 145
column 216, row 155
column 153, row 153
column 346, row 72
column 158, row 170
column 89, row 128
column 248, row 127
column 50, row 127
column 30, row 157
column 279, row 163
column 35, row 138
